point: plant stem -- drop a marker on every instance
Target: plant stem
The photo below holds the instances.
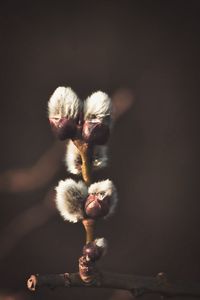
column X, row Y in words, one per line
column 89, row 228
column 85, row 151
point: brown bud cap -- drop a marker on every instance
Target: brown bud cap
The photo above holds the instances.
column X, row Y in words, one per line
column 87, row 269
column 95, row 207
column 95, row 132
column 92, row 252
column 63, row 128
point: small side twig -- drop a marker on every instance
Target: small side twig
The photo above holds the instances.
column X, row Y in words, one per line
column 137, row 285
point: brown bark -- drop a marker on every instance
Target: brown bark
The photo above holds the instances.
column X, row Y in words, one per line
column 137, row 285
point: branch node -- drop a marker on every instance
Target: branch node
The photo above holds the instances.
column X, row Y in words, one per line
column 162, row 279
column 66, row 278
column 32, row 282
column 87, row 271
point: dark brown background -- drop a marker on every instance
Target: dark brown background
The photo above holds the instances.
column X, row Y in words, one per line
column 150, row 46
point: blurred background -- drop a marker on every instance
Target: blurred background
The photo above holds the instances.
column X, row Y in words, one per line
column 146, row 55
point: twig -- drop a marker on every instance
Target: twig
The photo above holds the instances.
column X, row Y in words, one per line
column 137, row 285
column 89, row 276
column 85, row 151
column 89, row 225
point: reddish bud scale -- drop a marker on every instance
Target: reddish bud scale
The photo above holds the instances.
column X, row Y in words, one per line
column 96, row 208
column 92, row 252
column 63, row 128
column 95, row 132
column 87, row 269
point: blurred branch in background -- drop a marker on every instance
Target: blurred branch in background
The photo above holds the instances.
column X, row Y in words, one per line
column 7, row 295
column 26, row 222
column 40, row 174
column 122, row 101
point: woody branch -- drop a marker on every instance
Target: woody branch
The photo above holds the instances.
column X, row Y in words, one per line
column 87, row 202
column 137, row 285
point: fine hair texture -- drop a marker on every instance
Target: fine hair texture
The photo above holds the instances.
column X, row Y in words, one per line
column 73, row 158
column 64, row 103
column 103, row 189
column 102, row 243
column 97, row 106
column 70, row 196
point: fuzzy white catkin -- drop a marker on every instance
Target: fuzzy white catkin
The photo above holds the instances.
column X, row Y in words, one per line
column 105, row 188
column 64, row 102
column 101, row 242
column 73, row 158
column 70, row 196
column 98, row 105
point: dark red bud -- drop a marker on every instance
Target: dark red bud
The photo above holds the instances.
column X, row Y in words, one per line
column 95, row 132
column 63, row 128
column 96, row 208
column 87, row 269
column 92, row 251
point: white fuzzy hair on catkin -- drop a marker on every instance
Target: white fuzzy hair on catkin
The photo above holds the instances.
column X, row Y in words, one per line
column 101, row 242
column 70, row 196
column 64, row 103
column 100, row 158
column 73, row 158
column 97, row 105
column 105, row 188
